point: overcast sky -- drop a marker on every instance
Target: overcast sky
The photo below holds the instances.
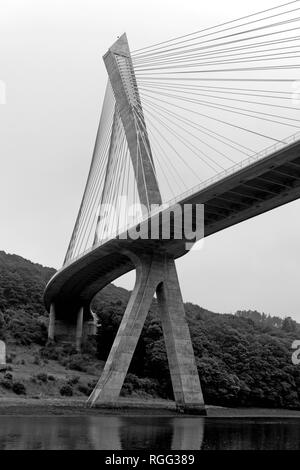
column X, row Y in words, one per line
column 51, row 62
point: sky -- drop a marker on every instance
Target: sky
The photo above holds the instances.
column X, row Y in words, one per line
column 51, row 66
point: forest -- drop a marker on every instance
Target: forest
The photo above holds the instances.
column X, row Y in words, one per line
column 243, row 359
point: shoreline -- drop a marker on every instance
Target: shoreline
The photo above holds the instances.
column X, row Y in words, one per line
column 126, row 407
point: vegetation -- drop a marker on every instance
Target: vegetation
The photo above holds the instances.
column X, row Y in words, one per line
column 22, row 284
column 42, row 377
column 19, row 388
column 243, row 359
column 8, row 382
column 66, row 390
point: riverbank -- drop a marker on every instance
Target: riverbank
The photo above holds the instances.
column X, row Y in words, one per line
column 77, row 407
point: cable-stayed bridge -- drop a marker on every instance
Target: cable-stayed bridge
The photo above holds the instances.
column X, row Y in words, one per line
column 207, row 119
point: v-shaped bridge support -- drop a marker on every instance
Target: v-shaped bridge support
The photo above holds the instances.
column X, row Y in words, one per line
column 154, row 273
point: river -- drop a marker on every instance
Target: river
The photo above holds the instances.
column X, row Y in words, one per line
column 150, row 433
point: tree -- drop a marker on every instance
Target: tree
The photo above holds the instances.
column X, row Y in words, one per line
column 2, row 326
column 289, row 325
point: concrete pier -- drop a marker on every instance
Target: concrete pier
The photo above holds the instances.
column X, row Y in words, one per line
column 154, row 273
column 51, row 327
column 79, row 329
column 75, row 333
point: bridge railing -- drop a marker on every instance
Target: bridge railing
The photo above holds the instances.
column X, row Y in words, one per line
column 237, row 166
column 204, row 184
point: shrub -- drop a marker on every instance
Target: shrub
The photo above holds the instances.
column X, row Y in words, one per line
column 85, row 389
column 8, row 376
column 76, row 362
column 92, row 384
column 36, row 360
column 73, row 380
column 51, row 378
column 6, row 384
column 69, row 349
column 10, row 358
column 19, row 388
column 89, row 346
column 2, row 326
column 142, row 386
column 42, row 376
column 66, row 391
column 50, row 352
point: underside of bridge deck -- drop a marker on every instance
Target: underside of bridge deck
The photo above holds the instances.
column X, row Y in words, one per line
column 272, row 189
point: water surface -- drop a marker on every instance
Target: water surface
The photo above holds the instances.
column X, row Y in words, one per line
column 149, row 433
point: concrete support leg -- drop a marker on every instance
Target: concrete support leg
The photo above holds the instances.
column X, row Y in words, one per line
column 51, row 327
column 154, row 274
column 184, row 374
column 79, row 328
column 109, row 386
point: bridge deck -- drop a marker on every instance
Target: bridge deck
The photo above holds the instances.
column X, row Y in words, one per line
column 268, row 183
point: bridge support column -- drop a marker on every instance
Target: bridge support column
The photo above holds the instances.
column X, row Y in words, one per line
column 184, row 374
column 154, row 273
column 51, row 327
column 76, row 333
column 79, row 327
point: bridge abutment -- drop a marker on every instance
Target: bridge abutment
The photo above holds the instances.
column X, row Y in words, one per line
column 154, row 273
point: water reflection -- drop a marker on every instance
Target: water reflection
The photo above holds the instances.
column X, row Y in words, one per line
column 252, row 434
column 161, row 433
column 150, row 433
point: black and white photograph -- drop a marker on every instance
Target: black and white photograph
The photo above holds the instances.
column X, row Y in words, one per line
column 150, row 229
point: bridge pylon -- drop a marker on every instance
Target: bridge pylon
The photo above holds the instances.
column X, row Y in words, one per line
column 122, row 79
column 155, row 271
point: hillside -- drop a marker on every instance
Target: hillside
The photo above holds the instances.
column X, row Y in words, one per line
column 243, row 359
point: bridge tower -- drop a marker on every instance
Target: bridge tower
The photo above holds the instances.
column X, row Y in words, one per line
column 155, row 270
